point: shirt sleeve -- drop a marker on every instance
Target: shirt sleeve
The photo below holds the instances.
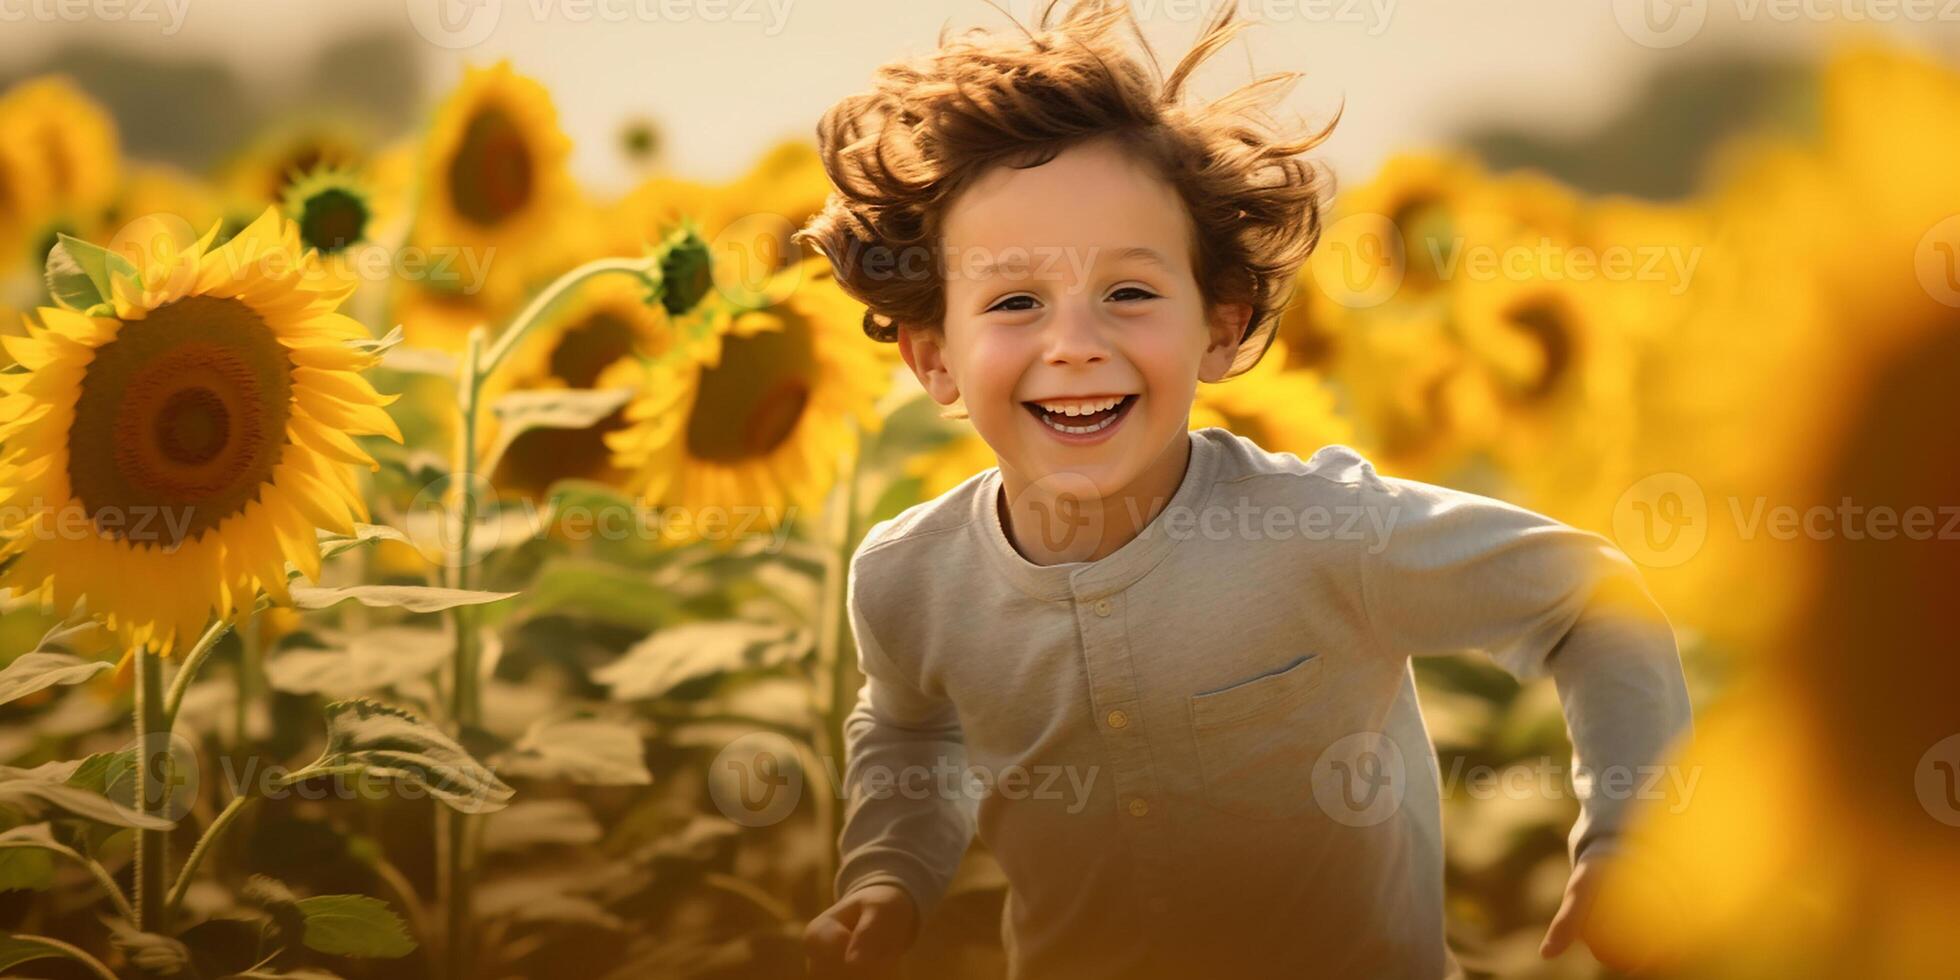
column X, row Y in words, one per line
column 906, row 821
column 1459, row 573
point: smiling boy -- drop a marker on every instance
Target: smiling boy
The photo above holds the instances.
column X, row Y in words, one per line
column 1250, row 787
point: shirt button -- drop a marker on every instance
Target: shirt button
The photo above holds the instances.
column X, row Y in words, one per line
column 1102, row 607
column 1138, row 807
column 1117, row 719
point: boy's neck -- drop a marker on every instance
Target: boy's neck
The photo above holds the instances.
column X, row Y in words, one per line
column 1048, row 531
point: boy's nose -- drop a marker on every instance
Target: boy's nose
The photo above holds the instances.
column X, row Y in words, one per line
column 1074, row 335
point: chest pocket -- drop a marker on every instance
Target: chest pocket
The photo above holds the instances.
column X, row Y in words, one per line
column 1256, row 741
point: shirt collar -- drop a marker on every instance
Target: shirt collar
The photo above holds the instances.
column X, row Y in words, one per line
column 1112, row 572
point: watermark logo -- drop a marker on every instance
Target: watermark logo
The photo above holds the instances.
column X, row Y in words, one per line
column 1064, row 517
column 1360, row 779
column 1937, row 262
column 167, row 779
column 1661, row 521
column 1937, row 781
column 1364, row 261
column 756, row 780
column 1660, row 23
column 455, row 23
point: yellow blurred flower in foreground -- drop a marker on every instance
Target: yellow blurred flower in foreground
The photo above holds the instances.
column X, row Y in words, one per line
column 167, row 460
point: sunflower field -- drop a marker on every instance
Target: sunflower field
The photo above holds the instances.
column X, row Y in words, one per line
column 404, row 547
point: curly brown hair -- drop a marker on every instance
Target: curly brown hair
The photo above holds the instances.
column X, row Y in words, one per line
column 899, row 154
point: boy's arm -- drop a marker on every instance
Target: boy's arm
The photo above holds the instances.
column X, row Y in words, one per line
column 905, row 821
column 1458, row 572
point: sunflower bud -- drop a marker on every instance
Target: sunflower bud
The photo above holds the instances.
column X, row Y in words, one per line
column 686, row 270
column 333, row 209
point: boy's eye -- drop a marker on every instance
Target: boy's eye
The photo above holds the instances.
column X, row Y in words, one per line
column 1140, row 292
column 1003, row 304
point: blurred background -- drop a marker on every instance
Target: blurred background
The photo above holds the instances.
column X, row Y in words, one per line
column 1682, row 272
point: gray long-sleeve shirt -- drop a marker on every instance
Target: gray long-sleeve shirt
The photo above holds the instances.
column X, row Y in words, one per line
column 1202, row 754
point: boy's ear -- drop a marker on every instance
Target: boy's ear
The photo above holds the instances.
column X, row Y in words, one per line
column 924, row 351
column 1225, row 324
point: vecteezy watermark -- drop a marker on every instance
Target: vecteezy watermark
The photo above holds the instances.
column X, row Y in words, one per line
column 1360, row 779
column 167, row 777
column 468, row 23
column 1664, row 519
column 155, row 240
column 1546, row 779
column 1366, row 257
column 757, row 780
column 1937, row 261
column 1063, row 513
column 435, row 521
column 167, row 14
column 1936, row 780
column 1672, row 23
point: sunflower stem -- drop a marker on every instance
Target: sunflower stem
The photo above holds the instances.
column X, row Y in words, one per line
column 534, row 312
column 152, row 758
column 204, row 844
column 193, row 660
column 464, row 704
column 455, row 831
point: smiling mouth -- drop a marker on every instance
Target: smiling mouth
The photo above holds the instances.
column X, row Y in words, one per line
column 1079, row 425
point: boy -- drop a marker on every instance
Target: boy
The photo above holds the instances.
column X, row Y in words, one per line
column 1183, row 661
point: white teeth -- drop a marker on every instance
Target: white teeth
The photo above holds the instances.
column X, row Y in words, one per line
column 1081, row 408
column 1082, row 429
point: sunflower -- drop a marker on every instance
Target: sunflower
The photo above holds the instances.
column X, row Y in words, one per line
column 73, row 137
column 748, row 221
column 493, row 174
column 593, row 340
column 160, row 189
column 166, row 459
column 760, row 418
column 261, row 173
column 1560, row 370
column 1282, row 409
column 1396, row 235
column 23, row 193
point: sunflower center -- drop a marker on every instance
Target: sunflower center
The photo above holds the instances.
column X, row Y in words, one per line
column 179, row 421
column 1424, row 242
column 490, row 176
column 192, row 426
column 332, row 220
column 589, row 348
column 540, row 457
column 754, row 399
column 1545, row 322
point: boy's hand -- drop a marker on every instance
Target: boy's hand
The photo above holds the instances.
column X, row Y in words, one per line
column 1575, row 921
column 863, row 934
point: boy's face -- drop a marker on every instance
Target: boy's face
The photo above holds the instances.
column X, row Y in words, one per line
column 1071, row 284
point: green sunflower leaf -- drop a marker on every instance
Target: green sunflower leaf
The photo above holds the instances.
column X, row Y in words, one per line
column 390, row 743
column 37, row 671
column 354, row 925
column 37, row 794
column 593, row 751
column 78, row 273
column 414, row 598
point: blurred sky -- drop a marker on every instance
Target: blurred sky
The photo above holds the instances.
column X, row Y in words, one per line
column 724, row 77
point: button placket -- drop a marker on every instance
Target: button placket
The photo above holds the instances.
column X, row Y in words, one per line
column 1113, row 690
